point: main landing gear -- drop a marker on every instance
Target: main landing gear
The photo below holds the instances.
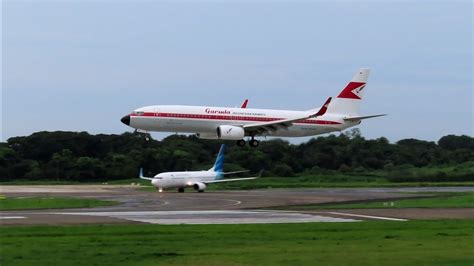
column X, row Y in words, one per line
column 181, row 189
column 252, row 143
column 241, row 143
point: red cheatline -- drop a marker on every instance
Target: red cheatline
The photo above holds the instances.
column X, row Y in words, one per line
column 232, row 118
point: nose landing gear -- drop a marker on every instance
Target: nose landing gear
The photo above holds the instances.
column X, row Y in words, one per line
column 145, row 134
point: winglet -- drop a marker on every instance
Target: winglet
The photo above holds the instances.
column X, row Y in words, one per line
column 324, row 108
column 244, row 104
column 142, row 176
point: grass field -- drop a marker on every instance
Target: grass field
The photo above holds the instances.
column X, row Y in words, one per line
column 50, row 203
column 439, row 200
column 261, row 183
column 365, row 243
column 306, row 182
column 395, row 176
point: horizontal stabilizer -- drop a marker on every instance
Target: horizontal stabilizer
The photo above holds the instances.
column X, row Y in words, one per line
column 356, row 118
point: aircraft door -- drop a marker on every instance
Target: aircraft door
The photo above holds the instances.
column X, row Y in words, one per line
column 156, row 114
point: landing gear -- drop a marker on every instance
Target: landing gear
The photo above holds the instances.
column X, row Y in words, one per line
column 200, row 191
column 241, row 143
column 160, row 190
column 254, row 143
column 142, row 133
column 181, row 189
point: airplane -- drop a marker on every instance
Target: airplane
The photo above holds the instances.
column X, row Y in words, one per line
column 239, row 123
column 196, row 179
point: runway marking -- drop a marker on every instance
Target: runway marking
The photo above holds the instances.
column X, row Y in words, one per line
column 236, row 202
column 163, row 202
column 215, row 217
column 12, row 217
column 368, row 216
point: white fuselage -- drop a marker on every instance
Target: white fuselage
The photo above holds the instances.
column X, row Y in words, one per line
column 182, row 179
column 205, row 120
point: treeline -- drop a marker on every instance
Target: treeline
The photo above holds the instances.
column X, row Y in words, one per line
column 83, row 157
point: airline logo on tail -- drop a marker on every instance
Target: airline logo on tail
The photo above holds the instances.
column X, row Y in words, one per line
column 219, row 164
column 353, row 90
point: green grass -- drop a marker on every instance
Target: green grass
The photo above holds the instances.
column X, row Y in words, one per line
column 396, row 176
column 50, row 203
column 69, row 182
column 440, row 200
column 309, row 182
column 445, row 242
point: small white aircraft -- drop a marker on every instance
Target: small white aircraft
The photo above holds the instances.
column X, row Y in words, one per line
column 196, row 179
column 238, row 123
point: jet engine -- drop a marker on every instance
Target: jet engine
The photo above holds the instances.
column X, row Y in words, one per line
column 199, row 186
column 207, row 135
column 230, row 132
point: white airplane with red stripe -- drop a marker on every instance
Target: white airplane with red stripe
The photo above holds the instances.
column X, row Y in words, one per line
column 238, row 124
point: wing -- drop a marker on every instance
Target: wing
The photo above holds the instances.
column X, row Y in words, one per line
column 234, row 179
column 236, row 172
column 229, row 180
column 259, row 128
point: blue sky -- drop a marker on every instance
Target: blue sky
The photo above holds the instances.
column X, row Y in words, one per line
column 81, row 66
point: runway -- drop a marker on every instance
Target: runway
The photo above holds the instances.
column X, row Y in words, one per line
column 218, row 207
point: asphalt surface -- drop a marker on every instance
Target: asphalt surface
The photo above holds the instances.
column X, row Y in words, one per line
column 218, row 207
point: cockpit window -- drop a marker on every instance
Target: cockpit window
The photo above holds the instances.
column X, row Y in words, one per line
column 138, row 112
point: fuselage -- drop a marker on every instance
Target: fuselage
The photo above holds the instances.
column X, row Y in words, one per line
column 182, row 179
column 204, row 120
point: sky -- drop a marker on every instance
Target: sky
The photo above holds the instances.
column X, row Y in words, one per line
column 82, row 65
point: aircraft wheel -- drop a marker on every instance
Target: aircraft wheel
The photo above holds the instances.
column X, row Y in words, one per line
column 200, row 191
column 241, row 143
column 181, row 189
column 147, row 137
column 254, row 143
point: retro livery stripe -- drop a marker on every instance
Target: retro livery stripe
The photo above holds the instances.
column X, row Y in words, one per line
column 229, row 118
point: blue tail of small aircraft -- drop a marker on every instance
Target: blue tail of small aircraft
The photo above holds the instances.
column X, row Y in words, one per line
column 219, row 164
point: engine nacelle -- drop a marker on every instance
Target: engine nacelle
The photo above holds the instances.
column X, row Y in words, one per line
column 199, row 186
column 230, row 132
column 207, row 135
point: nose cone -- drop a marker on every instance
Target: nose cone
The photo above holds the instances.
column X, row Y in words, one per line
column 126, row 120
